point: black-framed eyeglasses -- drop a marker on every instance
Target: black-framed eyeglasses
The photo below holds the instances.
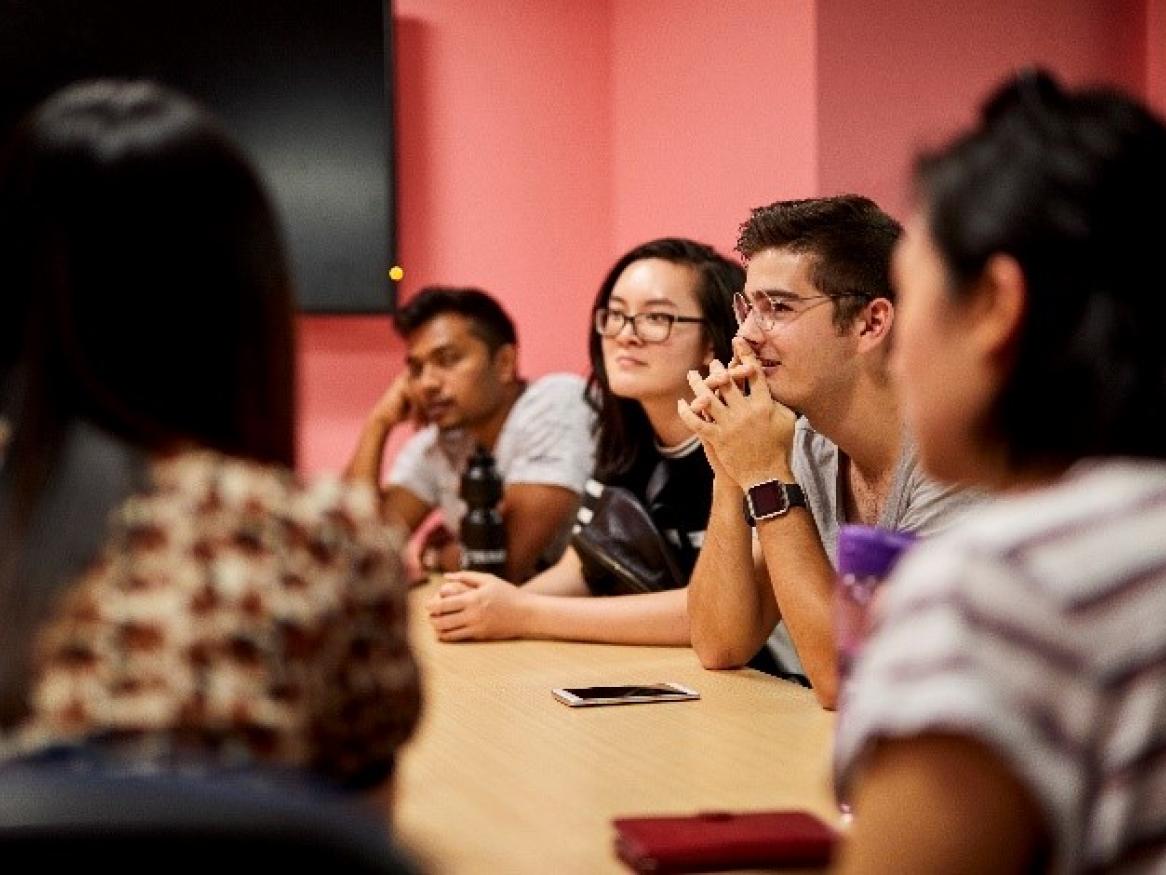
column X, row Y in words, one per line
column 771, row 310
column 649, row 327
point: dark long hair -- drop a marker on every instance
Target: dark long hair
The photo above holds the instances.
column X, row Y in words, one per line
column 1051, row 177
column 149, row 307
column 624, row 434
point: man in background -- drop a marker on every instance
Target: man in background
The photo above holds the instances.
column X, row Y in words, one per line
column 461, row 387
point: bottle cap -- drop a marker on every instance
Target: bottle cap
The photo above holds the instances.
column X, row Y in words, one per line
column 868, row 551
column 480, row 485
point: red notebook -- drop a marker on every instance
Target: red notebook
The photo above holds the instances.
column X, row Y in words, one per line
column 723, row 840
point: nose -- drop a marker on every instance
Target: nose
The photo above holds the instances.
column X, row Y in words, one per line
column 429, row 380
column 750, row 331
column 627, row 333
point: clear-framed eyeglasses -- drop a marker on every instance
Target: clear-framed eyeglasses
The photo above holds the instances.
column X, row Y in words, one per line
column 771, row 310
column 648, row 327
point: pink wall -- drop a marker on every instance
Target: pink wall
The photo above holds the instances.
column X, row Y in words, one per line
column 538, row 139
column 504, row 150
column 915, row 72
column 714, row 114
column 1156, row 55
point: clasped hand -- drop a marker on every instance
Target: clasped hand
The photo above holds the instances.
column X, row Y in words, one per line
column 747, row 437
column 470, row 606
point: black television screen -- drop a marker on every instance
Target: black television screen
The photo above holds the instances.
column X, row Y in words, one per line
column 304, row 85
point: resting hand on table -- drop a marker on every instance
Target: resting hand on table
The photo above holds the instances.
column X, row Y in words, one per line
column 471, row 606
column 747, row 437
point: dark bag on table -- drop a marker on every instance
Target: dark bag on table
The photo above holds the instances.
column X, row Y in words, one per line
column 622, row 551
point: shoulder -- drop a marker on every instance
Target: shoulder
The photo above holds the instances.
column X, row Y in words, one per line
column 554, row 394
column 1057, row 572
column 921, row 505
column 553, row 408
column 423, row 443
column 813, row 447
column 1021, row 627
column 221, row 492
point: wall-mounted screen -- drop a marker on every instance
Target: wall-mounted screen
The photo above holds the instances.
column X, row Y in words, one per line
column 304, row 85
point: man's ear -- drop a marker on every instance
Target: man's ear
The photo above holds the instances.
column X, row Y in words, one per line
column 875, row 322
column 506, row 363
column 996, row 306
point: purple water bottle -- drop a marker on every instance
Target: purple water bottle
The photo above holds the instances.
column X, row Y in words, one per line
column 866, row 555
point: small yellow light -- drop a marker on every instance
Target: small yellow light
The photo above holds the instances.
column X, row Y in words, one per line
column 396, row 273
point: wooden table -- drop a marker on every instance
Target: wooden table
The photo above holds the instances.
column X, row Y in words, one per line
column 503, row 778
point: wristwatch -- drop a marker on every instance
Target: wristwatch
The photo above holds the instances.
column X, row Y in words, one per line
column 771, row 498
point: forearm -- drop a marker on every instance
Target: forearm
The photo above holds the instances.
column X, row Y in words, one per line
column 535, row 515
column 726, row 605
column 802, row 581
column 365, row 465
column 564, row 578
column 659, row 618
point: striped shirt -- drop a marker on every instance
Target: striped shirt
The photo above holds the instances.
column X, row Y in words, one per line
column 1037, row 628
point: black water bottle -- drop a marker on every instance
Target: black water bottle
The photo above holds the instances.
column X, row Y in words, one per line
column 482, row 534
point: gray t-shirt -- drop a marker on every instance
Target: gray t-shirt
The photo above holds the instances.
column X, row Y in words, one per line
column 915, row 504
column 546, row 439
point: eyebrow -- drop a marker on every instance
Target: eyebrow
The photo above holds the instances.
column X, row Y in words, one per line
column 651, row 302
column 437, row 350
column 774, row 293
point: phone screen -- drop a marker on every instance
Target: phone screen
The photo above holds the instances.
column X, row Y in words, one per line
column 652, row 691
column 624, row 694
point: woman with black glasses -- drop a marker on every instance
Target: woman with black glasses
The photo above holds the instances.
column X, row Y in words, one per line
column 665, row 308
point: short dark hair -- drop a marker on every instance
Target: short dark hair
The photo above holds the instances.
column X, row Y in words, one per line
column 1050, row 177
column 488, row 321
column 850, row 238
column 624, row 433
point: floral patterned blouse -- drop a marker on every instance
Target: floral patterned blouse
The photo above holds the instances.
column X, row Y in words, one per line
column 236, row 615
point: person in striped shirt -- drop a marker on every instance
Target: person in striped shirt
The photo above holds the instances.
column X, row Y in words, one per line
column 1009, row 713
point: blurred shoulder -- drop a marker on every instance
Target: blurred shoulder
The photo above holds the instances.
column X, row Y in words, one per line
column 204, row 483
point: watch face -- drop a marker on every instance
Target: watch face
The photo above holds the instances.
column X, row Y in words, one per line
column 767, row 499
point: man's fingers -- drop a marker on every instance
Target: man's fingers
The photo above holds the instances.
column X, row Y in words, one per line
column 695, row 423
column 700, row 389
column 753, row 372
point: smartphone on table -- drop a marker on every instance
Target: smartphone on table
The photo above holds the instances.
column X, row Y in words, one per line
column 577, row 697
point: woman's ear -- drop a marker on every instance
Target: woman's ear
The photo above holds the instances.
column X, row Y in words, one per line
column 997, row 305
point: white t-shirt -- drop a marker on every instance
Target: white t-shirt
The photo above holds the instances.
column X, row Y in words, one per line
column 546, row 439
column 1036, row 628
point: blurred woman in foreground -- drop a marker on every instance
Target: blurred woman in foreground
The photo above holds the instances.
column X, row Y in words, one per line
column 1010, row 712
column 170, row 593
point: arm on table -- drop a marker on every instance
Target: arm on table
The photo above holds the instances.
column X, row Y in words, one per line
column 481, row 607
column 802, row 583
column 731, row 607
column 534, row 514
column 749, row 440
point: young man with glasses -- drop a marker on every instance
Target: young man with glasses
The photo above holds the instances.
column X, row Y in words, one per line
column 804, row 432
column 461, row 387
